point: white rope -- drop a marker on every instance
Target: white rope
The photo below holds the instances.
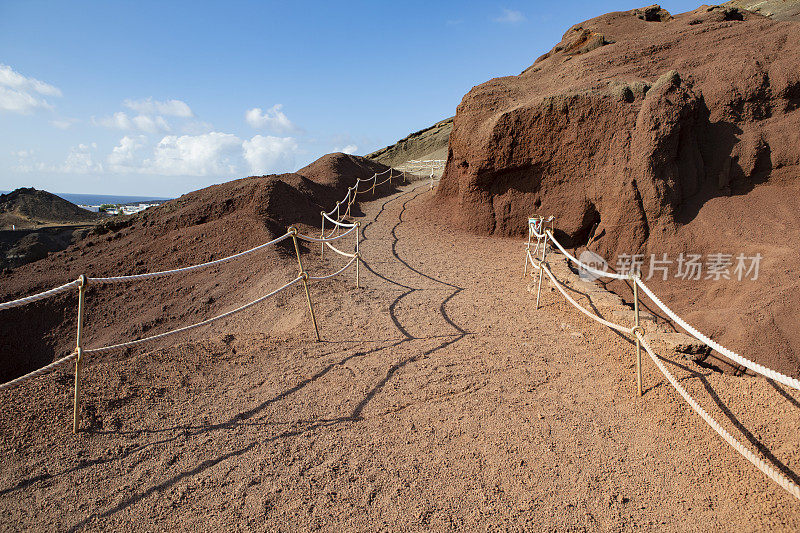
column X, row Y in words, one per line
column 39, row 296
column 591, row 315
column 582, row 265
column 338, row 223
column 777, row 476
column 197, row 325
column 318, row 278
column 136, row 277
column 761, row 369
column 315, row 239
column 758, row 462
column 755, row 367
column 329, row 245
column 38, row 372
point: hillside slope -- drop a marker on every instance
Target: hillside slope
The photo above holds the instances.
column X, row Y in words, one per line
column 428, row 143
column 200, row 226
column 774, row 9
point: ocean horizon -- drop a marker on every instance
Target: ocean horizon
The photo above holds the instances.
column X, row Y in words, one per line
column 100, row 199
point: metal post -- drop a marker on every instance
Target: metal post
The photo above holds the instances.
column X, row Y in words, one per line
column 322, row 251
column 390, row 175
column 636, row 330
column 527, row 249
column 374, row 181
column 76, row 414
column 304, row 275
column 358, row 252
column 541, row 273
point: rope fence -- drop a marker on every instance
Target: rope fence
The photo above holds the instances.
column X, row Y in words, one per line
column 83, row 281
column 537, row 229
column 423, row 165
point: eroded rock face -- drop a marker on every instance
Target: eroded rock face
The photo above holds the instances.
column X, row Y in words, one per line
column 625, row 123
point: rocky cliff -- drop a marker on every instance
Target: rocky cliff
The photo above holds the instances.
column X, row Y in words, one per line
column 626, row 122
column 651, row 133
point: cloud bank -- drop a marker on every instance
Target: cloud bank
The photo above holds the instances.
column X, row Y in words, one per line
column 20, row 94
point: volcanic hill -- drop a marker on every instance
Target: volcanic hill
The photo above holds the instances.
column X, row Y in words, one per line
column 199, row 226
column 28, row 208
column 653, row 133
column 34, row 223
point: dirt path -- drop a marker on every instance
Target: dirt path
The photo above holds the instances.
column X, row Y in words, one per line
column 438, row 399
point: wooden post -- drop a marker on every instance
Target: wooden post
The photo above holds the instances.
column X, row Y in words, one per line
column 76, row 413
column 637, row 329
column 304, row 275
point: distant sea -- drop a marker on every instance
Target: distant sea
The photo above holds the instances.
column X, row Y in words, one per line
column 100, row 199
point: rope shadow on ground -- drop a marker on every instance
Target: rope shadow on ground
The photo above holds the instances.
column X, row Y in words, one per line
column 703, row 378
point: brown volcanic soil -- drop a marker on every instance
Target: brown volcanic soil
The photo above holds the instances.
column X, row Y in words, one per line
column 667, row 134
column 200, row 226
column 438, row 400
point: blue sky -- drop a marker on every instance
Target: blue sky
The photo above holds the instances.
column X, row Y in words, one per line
column 161, row 98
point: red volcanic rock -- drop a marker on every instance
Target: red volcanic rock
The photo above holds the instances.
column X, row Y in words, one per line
column 652, row 133
column 629, row 116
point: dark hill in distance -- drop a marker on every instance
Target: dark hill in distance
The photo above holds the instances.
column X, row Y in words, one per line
column 34, row 223
column 29, row 208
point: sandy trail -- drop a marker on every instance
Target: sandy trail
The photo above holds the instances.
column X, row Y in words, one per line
column 438, row 399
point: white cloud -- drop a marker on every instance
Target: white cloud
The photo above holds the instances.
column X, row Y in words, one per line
column 20, row 94
column 124, row 156
column 269, row 155
column 151, row 124
column 215, row 154
column 510, row 16
column 349, row 149
column 63, row 124
column 81, row 161
column 118, row 120
column 170, row 108
column 273, row 119
column 121, row 121
column 212, row 153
